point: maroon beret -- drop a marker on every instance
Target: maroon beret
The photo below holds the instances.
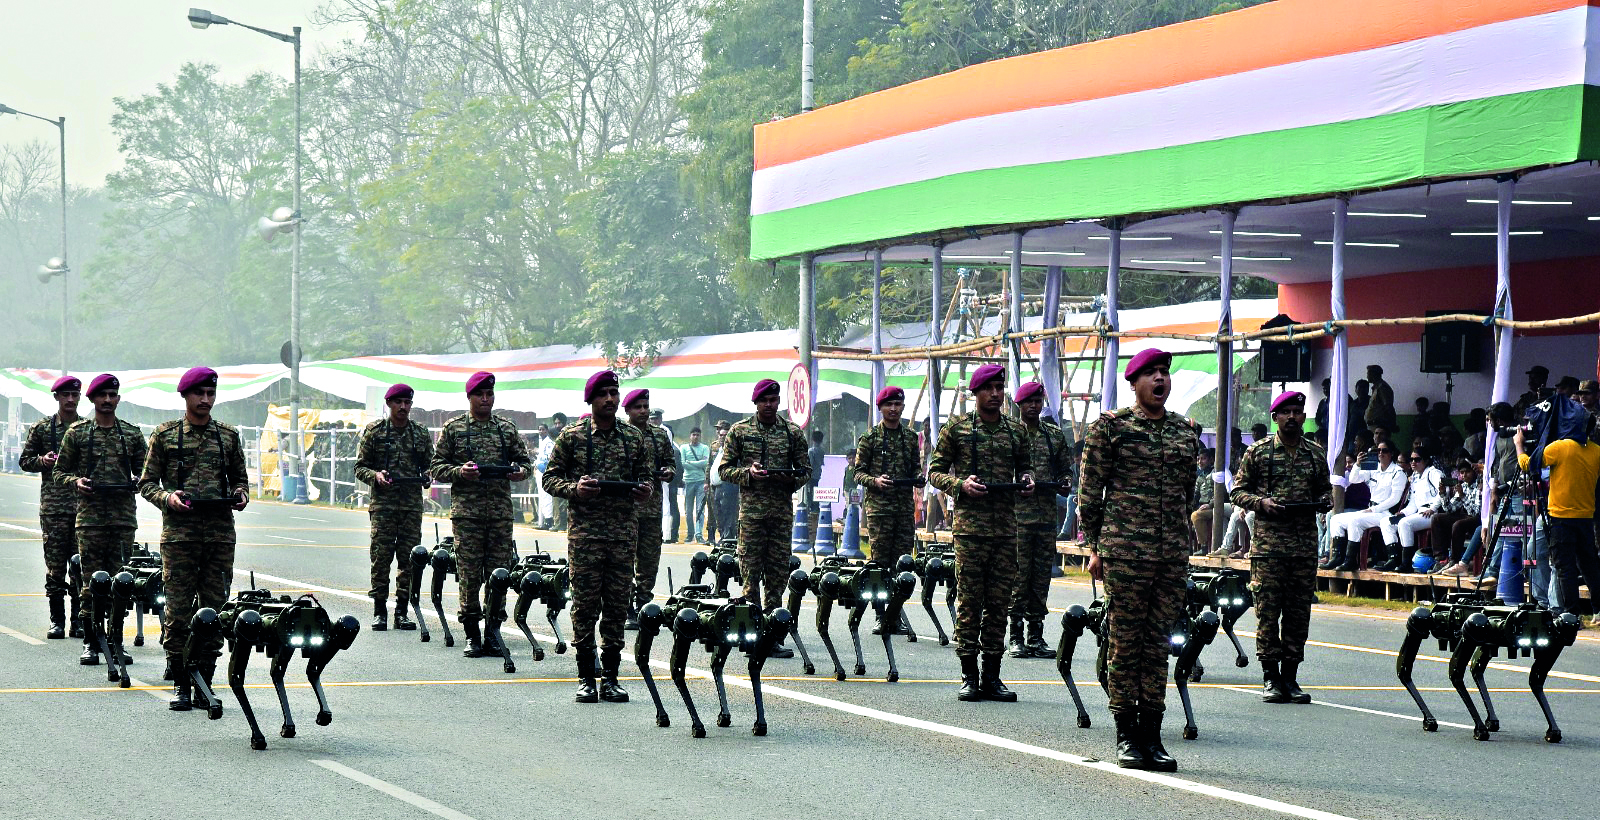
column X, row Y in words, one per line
column 604, row 378
column 890, row 393
column 1289, row 397
column 197, row 377
column 402, row 391
column 635, row 395
column 104, row 381
column 1027, row 390
column 762, row 388
column 1149, row 357
column 66, row 384
column 481, row 380
column 985, row 374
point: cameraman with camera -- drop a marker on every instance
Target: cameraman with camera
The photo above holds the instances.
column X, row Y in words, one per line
column 1574, row 464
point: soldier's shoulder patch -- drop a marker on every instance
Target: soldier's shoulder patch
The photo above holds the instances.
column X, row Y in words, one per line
column 373, row 425
column 168, row 425
column 456, row 421
column 129, row 427
column 222, row 425
column 77, row 424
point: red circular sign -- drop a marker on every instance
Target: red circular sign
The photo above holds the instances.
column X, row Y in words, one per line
column 800, row 395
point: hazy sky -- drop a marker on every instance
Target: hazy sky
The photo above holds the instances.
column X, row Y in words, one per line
column 71, row 57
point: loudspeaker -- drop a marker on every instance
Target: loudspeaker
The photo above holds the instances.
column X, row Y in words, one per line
column 1283, row 361
column 1452, row 347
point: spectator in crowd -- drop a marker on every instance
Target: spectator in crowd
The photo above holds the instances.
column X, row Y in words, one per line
column 1574, row 464
column 1321, row 416
column 696, row 458
column 1203, row 496
column 1456, row 523
column 543, row 446
column 1422, row 500
column 1477, row 433
column 1422, row 422
column 1587, row 396
column 1258, row 431
column 1380, row 410
column 1386, row 485
column 726, row 494
column 1360, row 446
column 558, row 516
column 1538, row 375
column 1567, row 387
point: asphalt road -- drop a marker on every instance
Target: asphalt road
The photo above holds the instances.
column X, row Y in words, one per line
column 421, row 732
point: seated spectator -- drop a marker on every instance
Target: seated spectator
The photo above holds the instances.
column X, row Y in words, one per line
column 1420, row 423
column 1258, row 431
column 1457, row 520
column 1387, row 485
column 1204, row 492
column 1426, row 489
column 1477, row 433
column 1568, row 387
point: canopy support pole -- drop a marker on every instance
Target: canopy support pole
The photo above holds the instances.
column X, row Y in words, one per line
column 936, row 337
column 1049, row 348
column 1502, row 349
column 1014, row 350
column 1108, row 388
column 878, row 375
column 808, row 323
column 1224, row 462
column 1338, row 404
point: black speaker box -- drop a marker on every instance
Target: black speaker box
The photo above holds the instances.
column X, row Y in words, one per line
column 1452, row 347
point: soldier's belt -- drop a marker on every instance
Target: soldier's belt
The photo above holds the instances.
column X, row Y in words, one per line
column 212, row 504
column 418, row 480
column 618, row 488
column 101, row 488
column 913, row 481
column 496, row 470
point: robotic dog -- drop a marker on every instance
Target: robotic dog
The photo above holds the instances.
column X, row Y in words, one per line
column 1189, row 636
column 443, row 560
column 148, row 593
column 1227, row 593
column 698, row 613
column 277, row 627
column 109, row 602
column 855, row 585
column 935, row 565
column 1475, row 629
column 723, row 562
column 537, row 577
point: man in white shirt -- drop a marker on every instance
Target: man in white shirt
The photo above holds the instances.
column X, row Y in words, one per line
column 545, row 446
column 1386, row 484
column 1427, row 486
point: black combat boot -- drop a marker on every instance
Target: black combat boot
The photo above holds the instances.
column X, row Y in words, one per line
column 402, row 618
column 969, row 679
column 380, row 614
column 1037, row 648
column 1378, row 557
column 181, row 701
column 1404, row 558
column 171, row 672
column 1272, row 690
column 610, row 690
column 1291, row 686
column 1150, row 734
column 90, row 656
column 633, row 618
column 1352, row 558
column 474, row 648
column 877, row 626
column 75, row 630
column 1014, row 646
column 1336, row 550
column 1130, row 753
column 992, row 688
column 58, row 618
column 586, row 689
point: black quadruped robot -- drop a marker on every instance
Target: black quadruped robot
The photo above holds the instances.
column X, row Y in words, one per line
column 1193, row 632
column 854, row 585
column 149, row 596
column 443, row 560
column 935, row 566
column 1475, row 629
column 278, row 627
column 109, row 601
column 698, row 613
column 723, row 563
column 1226, row 592
column 537, row 578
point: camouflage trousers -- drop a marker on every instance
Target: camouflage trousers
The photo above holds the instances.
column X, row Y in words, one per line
column 1283, row 587
column 101, row 548
column 891, row 535
column 764, row 558
column 194, row 574
column 59, row 546
column 647, row 557
column 986, row 571
column 602, row 576
column 482, row 546
column 394, row 533
column 1144, row 599
column 1036, row 554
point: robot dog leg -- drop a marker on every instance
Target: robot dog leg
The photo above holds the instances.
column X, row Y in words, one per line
column 1544, row 657
column 1187, row 645
column 649, row 626
column 341, row 635
column 246, row 634
column 1418, row 627
column 1475, row 624
column 1073, row 623
column 419, row 561
column 894, row 611
column 827, row 588
column 773, row 628
column 121, row 599
column 719, row 659
column 528, row 592
column 685, row 629
column 444, row 563
column 280, row 665
column 854, row 622
column 494, row 614
column 798, row 583
column 198, row 659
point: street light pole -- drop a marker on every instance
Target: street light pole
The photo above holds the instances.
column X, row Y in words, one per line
column 201, row 18
column 60, row 123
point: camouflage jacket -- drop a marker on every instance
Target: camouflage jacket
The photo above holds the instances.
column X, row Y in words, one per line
column 1205, row 490
column 1137, row 486
column 618, row 454
column 1052, row 461
column 492, row 441
column 995, row 453
column 400, row 453
column 659, row 453
column 894, row 453
column 205, row 462
column 1271, row 470
column 104, row 455
column 44, row 438
column 778, row 445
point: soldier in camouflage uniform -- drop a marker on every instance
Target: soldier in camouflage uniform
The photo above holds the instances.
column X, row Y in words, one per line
column 975, row 450
column 193, row 459
column 97, row 455
column 603, row 529
column 480, row 507
column 1051, row 458
column 888, row 451
column 755, row 446
column 1137, row 480
column 391, row 448
column 1287, row 468
column 660, row 464
column 58, row 505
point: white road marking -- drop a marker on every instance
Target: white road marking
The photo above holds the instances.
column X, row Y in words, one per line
column 158, row 692
column 27, row 639
column 930, row 726
column 303, row 518
column 22, row 528
column 287, row 538
column 1321, row 702
column 392, row 790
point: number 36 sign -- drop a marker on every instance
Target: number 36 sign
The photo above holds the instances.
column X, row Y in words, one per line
column 800, row 395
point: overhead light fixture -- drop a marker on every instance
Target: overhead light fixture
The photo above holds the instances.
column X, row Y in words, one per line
column 1138, row 238
column 978, row 258
column 1262, row 233
column 1361, row 244
column 1494, row 233
column 1050, row 253
column 1166, row 262
column 1258, row 258
column 1381, row 213
column 1594, row 219
column 1521, row 202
